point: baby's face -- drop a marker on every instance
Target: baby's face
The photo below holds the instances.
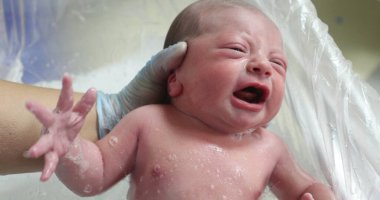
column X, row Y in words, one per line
column 234, row 72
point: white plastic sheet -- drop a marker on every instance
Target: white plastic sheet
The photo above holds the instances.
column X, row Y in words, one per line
column 336, row 114
column 330, row 118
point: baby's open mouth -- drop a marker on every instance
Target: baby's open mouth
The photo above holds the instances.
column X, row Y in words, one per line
column 255, row 95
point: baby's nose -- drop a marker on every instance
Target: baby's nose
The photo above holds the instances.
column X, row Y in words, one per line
column 259, row 67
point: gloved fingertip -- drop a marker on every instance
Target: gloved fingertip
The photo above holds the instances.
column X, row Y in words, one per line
column 180, row 46
column 175, row 56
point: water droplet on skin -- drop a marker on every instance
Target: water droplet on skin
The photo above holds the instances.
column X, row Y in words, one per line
column 172, row 157
column 212, row 186
column 218, row 173
column 238, row 172
column 87, row 189
column 215, row 148
column 113, row 140
column 202, row 165
column 237, row 137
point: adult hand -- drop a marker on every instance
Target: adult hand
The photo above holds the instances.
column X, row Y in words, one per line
column 149, row 86
column 60, row 126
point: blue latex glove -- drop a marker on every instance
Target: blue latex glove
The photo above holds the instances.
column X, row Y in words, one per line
column 148, row 87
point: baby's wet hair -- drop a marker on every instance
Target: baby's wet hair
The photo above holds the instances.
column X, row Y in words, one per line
column 188, row 23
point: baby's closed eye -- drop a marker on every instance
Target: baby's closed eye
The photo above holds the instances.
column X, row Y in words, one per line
column 234, row 51
column 278, row 63
column 237, row 47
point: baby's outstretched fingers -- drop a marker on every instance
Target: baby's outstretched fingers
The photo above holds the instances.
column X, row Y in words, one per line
column 60, row 126
column 51, row 161
column 41, row 147
column 86, row 103
column 43, row 114
column 66, row 99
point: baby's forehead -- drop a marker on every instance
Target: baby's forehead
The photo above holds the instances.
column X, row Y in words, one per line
column 214, row 15
column 228, row 18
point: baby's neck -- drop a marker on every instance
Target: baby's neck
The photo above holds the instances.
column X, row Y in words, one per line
column 235, row 135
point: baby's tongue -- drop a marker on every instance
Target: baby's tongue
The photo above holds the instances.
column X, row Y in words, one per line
column 246, row 95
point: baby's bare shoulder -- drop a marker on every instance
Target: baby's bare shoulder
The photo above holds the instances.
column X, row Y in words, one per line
column 271, row 137
column 274, row 141
column 152, row 110
column 149, row 114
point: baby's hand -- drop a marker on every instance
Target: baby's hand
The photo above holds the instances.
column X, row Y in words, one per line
column 61, row 126
column 307, row 196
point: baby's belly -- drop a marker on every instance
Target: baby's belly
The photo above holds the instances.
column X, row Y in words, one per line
column 196, row 176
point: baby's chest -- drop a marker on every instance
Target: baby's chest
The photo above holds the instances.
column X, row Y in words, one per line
column 203, row 168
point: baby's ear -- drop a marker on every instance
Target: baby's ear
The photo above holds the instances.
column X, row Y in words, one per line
column 174, row 86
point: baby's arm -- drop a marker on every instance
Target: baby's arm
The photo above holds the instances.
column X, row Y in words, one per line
column 289, row 181
column 89, row 169
column 84, row 167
